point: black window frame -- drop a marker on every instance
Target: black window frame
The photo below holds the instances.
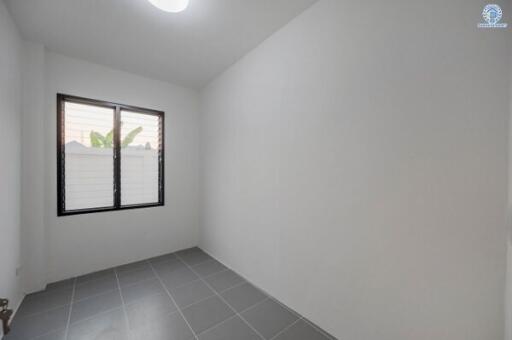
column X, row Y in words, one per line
column 61, row 156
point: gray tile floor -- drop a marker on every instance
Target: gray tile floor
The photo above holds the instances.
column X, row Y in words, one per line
column 180, row 296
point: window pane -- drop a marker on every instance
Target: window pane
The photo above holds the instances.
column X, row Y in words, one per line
column 89, row 164
column 140, row 144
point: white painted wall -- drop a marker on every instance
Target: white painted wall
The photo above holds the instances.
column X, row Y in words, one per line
column 508, row 295
column 86, row 243
column 10, row 165
column 355, row 168
column 33, row 232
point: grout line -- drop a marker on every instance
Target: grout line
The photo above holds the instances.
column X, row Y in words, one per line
column 41, row 312
column 199, row 279
column 199, row 263
column 220, row 296
column 18, row 316
column 286, row 307
column 220, row 271
column 235, row 286
column 96, row 295
column 79, row 283
column 186, row 284
column 178, row 308
column 76, row 322
column 173, row 301
column 205, row 261
column 136, row 283
column 199, row 301
column 318, row 329
column 103, row 312
column 234, row 316
column 39, row 336
column 286, row 328
column 213, row 293
column 161, row 258
column 300, row 316
column 114, row 269
column 189, row 282
column 123, row 305
column 66, row 332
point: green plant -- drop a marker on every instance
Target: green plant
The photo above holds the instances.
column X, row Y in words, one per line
column 105, row 142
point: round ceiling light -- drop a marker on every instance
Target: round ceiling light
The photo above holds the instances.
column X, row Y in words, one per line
column 173, row 6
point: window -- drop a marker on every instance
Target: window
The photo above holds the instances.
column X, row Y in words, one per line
column 109, row 156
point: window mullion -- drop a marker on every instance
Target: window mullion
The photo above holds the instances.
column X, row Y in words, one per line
column 117, row 158
column 161, row 153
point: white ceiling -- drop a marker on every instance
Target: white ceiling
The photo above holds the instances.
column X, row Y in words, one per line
column 187, row 48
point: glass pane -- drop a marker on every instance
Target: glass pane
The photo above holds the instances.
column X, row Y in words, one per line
column 89, row 164
column 140, row 143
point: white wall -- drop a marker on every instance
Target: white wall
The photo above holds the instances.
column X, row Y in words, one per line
column 10, row 138
column 86, row 243
column 355, row 168
column 33, row 232
column 508, row 296
column 508, row 301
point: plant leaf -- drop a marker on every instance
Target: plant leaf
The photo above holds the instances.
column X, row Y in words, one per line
column 97, row 139
column 109, row 139
column 130, row 137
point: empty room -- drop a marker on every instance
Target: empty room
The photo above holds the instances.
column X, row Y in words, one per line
column 255, row 170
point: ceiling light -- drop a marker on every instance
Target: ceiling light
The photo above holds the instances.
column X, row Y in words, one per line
column 173, row 6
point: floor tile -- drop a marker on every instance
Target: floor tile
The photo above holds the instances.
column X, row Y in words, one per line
column 162, row 258
column 61, row 284
column 132, row 266
column 301, row 331
column 243, row 296
column 208, row 268
column 44, row 301
column 192, row 278
column 168, row 266
column 207, row 313
column 191, row 293
column 95, row 287
column 142, row 290
column 39, row 324
column 130, row 277
column 170, row 327
column 188, row 251
column 94, row 305
column 143, row 311
column 57, row 335
column 233, row 329
column 96, row 275
column 193, row 256
column 178, row 277
column 224, row 280
column 105, row 326
column 269, row 318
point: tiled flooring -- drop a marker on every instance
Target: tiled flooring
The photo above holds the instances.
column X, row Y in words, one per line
column 180, row 296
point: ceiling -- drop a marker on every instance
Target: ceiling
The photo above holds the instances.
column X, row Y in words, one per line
column 188, row 48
